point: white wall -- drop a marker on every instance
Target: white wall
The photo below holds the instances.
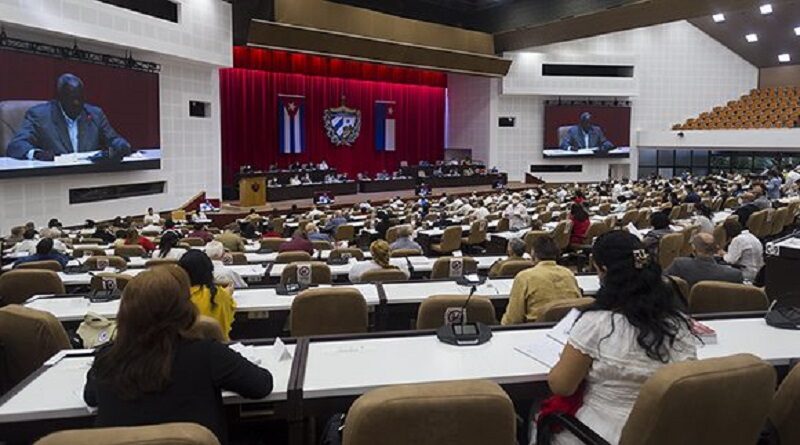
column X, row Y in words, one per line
column 469, row 113
column 190, row 54
column 680, row 72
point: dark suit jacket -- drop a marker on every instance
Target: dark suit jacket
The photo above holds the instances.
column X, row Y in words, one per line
column 695, row 270
column 574, row 139
column 44, row 128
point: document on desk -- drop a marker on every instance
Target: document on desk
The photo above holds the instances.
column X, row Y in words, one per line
column 547, row 350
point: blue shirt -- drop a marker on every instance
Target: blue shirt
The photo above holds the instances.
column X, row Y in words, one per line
column 774, row 188
column 62, row 259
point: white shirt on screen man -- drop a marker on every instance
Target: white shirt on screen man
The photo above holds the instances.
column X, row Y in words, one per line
column 746, row 250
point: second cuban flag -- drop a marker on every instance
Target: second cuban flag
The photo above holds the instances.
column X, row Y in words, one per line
column 291, row 129
column 384, row 125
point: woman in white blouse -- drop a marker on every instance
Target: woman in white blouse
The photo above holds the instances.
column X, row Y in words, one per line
column 167, row 247
column 634, row 328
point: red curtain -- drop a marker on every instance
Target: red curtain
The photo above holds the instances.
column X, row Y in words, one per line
column 249, row 110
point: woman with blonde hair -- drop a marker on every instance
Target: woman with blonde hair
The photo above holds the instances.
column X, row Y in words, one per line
column 380, row 260
column 156, row 371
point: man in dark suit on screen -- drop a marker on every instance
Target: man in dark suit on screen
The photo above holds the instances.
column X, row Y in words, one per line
column 585, row 135
column 66, row 125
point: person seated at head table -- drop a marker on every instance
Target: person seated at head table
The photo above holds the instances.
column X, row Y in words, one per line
column 538, row 286
column 323, row 165
column 28, row 243
column 53, row 234
column 380, row 251
column 231, row 240
column 661, row 226
column 703, row 267
column 273, row 182
column 515, row 251
column 151, row 218
column 294, row 180
column 223, row 275
column 268, row 231
column 299, row 242
column 157, row 370
column 16, row 235
column 404, row 240
column 44, row 252
column 580, row 223
column 306, row 179
column 168, row 247
column 744, row 250
column 200, row 231
column 211, row 300
column 314, row 234
column 634, row 328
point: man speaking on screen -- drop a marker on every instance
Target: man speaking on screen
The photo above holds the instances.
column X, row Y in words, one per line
column 66, row 125
column 585, row 135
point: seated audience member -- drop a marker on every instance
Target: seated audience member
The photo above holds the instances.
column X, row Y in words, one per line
column 268, row 231
column 170, row 227
column 168, row 247
column 151, row 218
column 314, row 213
column 703, row 267
column 704, row 218
column 580, row 223
column 16, row 235
column 404, row 240
column 201, row 232
column 44, row 252
column 334, row 223
column 212, row 300
column 691, row 196
column 660, row 223
column 384, row 224
column 517, row 215
column 30, row 225
column 544, row 283
column 133, row 238
column 747, row 208
column 28, row 243
column 253, row 216
column 313, row 233
column 299, row 242
column 515, row 251
column 232, row 241
column 104, row 234
column 223, row 275
column 380, row 260
column 634, row 328
column 156, row 371
column 761, row 201
column 744, row 250
column 579, row 198
column 53, row 234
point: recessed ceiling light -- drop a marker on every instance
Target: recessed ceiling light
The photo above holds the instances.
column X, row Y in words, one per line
column 766, row 9
column 718, row 18
column 797, row 31
column 784, row 58
column 751, row 38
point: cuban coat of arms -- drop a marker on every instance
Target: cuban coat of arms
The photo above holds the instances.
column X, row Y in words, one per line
column 342, row 124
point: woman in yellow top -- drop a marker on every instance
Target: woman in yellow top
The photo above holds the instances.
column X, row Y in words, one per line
column 212, row 300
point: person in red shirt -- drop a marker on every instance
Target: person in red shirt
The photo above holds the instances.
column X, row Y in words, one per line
column 580, row 223
column 268, row 231
column 579, row 197
column 201, row 232
column 134, row 238
column 299, row 242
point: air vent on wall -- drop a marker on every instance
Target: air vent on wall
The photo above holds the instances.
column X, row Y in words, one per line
column 160, row 9
column 551, row 69
column 94, row 194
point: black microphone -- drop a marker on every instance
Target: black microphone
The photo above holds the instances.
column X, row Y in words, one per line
column 472, row 291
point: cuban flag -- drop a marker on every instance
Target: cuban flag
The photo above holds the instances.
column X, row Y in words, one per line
column 291, row 124
column 384, row 125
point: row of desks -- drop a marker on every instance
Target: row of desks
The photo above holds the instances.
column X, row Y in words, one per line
column 328, row 373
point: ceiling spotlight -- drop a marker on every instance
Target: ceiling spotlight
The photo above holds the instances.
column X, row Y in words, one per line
column 718, row 18
column 797, row 31
column 784, row 58
column 766, row 9
column 751, row 38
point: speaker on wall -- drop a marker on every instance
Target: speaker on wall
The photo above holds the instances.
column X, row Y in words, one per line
column 199, row 109
column 507, row 121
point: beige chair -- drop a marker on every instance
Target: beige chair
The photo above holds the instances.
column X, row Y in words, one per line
column 464, row 412
column 129, row 250
column 12, row 114
column 680, row 286
column 88, row 251
column 383, row 276
column 292, row 256
column 629, row 217
column 194, row 241
column 644, row 219
column 441, row 267
column 28, row 337
column 561, row 234
column 322, row 245
column 277, row 224
column 351, row 252
column 720, row 236
column 121, row 280
column 510, row 268
column 531, row 236
column 688, row 234
column 675, row 213
column 345, row 232
column 696, row 402
column 16, row 286
column 164, row 434
column 320, row 273
column 397, row 253
column 155, row 262
column 113, row 261
column 432, row 310
column 272, row 244
column 503, row 225
column 669, row 248
column 476, row 236
column 451, row 241
column 328, row 311
column 556, row 310
column 778, row 222
column 785, row 410
column 716, row 296
column 207, row 328
column 53, row 265
column 392, row 233
column 757, row 223
column 238, row 259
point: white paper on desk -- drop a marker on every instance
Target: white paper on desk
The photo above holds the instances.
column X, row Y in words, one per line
column 280, row 351
column 246, row 352
column 457, row 253
column 560, row 332
column 544, row 350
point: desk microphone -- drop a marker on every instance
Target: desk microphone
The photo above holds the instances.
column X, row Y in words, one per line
column 465, row 334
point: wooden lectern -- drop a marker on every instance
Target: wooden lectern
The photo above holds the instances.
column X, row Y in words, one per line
column 252, row 191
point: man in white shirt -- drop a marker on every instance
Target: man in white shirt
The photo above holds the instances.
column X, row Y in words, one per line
column 28, row 243
column 744, row 250
column 151, row 218
column 222, row 274
column 53, row 234
column 791, row 178
column 517, row 215
column 480, row 213
column 315, row 213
